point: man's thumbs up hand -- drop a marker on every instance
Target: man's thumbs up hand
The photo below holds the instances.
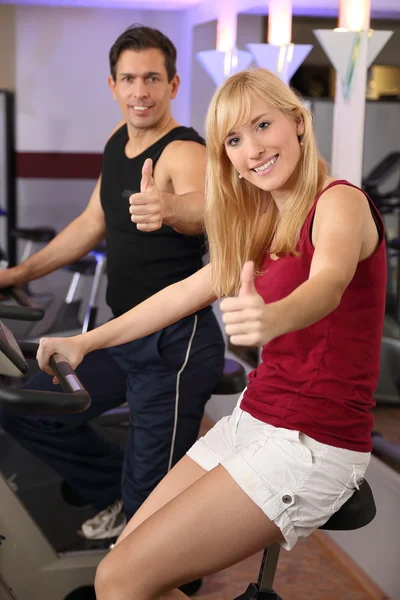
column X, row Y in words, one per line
column 147, row 181
column 147, row 207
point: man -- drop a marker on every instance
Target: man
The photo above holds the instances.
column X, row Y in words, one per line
column 149, row 206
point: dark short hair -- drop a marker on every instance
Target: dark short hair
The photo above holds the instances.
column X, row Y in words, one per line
column 138, row 37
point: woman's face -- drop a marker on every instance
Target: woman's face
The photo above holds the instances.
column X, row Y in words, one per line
column 266, row 149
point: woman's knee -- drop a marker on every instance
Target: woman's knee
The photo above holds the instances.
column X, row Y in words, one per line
column 103, row 577
column 107, row 581
column 120, row 579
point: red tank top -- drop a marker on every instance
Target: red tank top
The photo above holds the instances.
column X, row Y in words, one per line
column 320, row 380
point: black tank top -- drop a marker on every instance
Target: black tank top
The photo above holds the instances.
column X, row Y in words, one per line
column 139, row 264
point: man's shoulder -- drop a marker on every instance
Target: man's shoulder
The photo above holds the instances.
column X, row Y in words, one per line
column 185, row 149
column 183, row 140
column 188, row 134
column 178, row 145
column 118, row 136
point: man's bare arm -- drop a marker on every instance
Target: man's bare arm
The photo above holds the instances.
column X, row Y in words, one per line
column 183, row 165
column 184, row 209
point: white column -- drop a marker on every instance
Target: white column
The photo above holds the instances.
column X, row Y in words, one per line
column 349, row 111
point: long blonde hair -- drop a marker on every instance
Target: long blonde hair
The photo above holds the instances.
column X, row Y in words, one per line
column 241, row 219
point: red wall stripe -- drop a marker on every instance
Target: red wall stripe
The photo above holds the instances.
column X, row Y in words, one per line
column 58, row 165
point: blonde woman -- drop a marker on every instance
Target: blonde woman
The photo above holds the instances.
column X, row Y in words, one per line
column 300, row 260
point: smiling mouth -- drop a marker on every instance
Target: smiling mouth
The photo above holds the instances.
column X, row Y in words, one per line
column 267, row 165
column 140, row 108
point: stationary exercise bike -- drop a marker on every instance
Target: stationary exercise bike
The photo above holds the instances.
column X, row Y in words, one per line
column 29, row 565
column 56, row 575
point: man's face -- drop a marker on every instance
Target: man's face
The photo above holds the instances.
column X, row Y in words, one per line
column 142, row 89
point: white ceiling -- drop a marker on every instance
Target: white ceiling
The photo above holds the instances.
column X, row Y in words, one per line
column 380, row 8
column 132, row 4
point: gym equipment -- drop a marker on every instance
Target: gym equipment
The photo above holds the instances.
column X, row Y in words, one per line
column 29, row 566
column 388, row 203
column 357, row 512
column 377, row 177
column 67, row 318
column 388, row 390
column 32, row 236
column 19, row 311
column 385, row 450
column 388, row 393
column 8, row 181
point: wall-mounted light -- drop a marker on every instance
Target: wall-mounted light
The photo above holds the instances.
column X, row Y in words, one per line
column 279, row 22
column 354, row 15
column 226, row 31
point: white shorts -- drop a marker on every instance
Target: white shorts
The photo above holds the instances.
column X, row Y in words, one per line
column 298, row 482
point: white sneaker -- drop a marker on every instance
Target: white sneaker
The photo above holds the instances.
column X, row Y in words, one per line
column 108, row 523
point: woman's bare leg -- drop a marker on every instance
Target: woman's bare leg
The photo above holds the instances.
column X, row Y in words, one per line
column 208, row 527
column 175, row 595
column 181, row 476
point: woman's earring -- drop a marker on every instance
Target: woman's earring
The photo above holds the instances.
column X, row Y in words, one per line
column 240, row 176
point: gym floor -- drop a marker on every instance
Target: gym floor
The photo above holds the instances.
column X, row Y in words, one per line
column 308, row 572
